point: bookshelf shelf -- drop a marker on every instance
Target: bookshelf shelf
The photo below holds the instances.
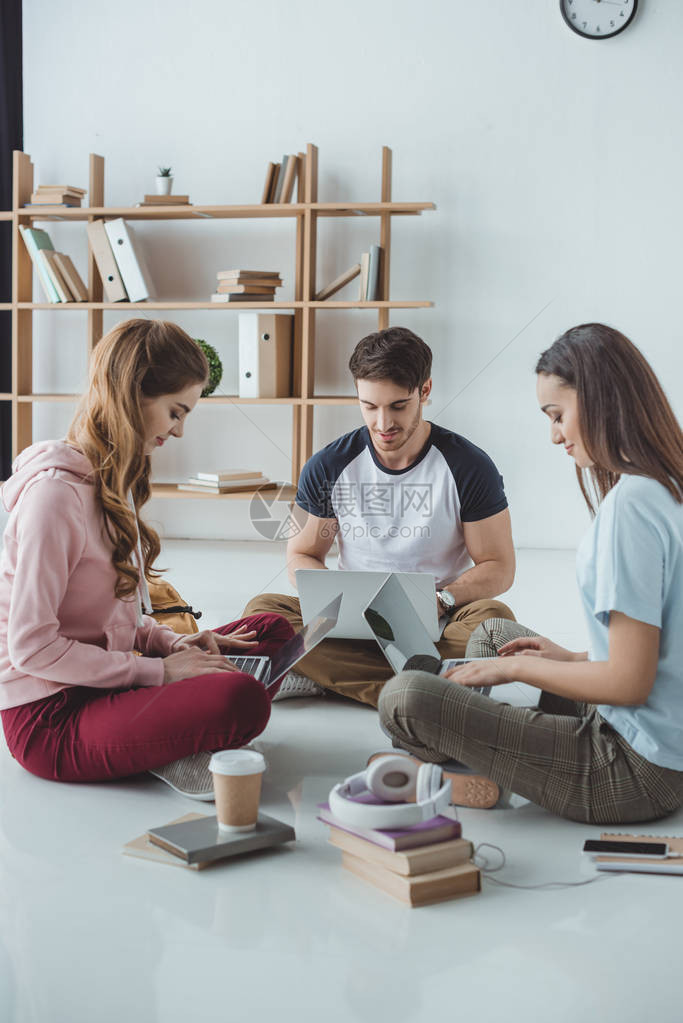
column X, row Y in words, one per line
column 169, row 304
column 251, row 212
column 286, row 494
column 304, row 212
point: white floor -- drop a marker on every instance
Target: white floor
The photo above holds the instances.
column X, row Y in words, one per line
column 87, row 934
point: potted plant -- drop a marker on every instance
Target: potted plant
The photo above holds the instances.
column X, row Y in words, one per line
column 215, row 366
column 164, row 181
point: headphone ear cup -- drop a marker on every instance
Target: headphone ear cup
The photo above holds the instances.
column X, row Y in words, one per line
column 393, row 779
column 428, row 782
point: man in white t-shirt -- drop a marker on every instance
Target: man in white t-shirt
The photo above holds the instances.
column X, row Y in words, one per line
column 400, row 494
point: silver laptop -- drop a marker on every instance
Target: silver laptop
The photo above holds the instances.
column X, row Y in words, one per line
column 317, row 587
column 271, row 670
column 402, row 637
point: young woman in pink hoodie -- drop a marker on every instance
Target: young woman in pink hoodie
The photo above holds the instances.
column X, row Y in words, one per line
column 78, row 701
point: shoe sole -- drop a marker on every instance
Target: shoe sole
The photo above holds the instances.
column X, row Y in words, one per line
column 204, row 797
column 472, row 790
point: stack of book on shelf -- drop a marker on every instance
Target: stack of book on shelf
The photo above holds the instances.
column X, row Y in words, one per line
column 280, row 178
column 165, row 200
column 57, row 195
column 124, row 273
column 246, row 286
column 58, row 276
column 369, row 271
column 420, row 865
column 228, row 481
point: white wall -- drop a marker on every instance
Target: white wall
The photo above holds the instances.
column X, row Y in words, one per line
column 555, row 163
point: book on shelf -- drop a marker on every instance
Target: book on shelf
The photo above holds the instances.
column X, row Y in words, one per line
column 71, row 276
column 338, row 283
column 374, row 262
column 278, row 186
column 227, row 475
column 243, row 276
column 438, row 829
column 268, row 183
column 36, row 240
column 227, row 288
column 277, row 194
column 57, row 195
column 290, row 175
column 112, row 282
column 132, row 267
column 274, row 178
column 673, row 865
column 222, row 297
column 418, row 889
column 46, row 257
column 364, row 270
column 422, row 860
column 202, row 488
column 165, row 200
column 223, row 484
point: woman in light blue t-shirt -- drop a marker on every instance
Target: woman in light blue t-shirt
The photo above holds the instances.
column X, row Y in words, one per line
column 606, row 742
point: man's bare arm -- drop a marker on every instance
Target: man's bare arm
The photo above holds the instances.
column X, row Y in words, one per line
column 489, row 543
column 311, row 545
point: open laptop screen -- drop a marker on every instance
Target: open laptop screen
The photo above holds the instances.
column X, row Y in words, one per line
column 396, row 627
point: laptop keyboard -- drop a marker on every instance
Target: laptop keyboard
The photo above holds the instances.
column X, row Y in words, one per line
column 251, row 665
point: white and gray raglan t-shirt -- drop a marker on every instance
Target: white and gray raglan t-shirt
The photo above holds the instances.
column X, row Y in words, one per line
column 402, row 520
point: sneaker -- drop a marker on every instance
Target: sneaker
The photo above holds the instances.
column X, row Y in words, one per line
column 467, row 789
column 190, row 776
column 294, row 685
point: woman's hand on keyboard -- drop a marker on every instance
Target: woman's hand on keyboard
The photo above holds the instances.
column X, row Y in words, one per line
column 192, row 661
column 239, row 640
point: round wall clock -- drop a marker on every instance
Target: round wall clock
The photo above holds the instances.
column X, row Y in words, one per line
column 598, row 19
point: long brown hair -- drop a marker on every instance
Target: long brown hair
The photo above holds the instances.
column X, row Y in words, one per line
column 138, row 358
column 627, row 424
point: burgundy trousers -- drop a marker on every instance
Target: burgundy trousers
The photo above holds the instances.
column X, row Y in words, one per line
column 86, row 734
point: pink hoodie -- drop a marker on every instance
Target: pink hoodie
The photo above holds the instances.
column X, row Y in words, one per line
column 60, row 623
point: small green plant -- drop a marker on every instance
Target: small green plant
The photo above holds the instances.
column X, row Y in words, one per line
column 215, row 367
column 164, row 172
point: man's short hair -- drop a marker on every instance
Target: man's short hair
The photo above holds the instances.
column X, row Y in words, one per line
column 395, row 354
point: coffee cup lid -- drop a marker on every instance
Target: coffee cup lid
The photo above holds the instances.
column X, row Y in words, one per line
column 237, row 761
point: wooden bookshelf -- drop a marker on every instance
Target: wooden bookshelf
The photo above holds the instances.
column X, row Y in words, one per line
column 306, row 210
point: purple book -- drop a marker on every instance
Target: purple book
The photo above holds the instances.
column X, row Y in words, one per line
column 438, row 829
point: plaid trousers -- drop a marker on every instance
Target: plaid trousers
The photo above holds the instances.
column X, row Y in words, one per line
column 563, row 756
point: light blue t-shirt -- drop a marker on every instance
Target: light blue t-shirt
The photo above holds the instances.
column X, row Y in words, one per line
column 631, row 561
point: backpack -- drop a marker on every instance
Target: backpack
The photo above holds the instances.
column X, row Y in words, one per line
column 168, row 607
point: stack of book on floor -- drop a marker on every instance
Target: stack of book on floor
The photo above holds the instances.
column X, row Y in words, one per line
column 165, row 200
column 58, row 276
column 420, row 865
column 227, row 481
column 246, row 285
column 57, row 195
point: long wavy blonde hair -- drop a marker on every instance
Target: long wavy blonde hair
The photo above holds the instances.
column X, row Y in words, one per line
column 137, row 359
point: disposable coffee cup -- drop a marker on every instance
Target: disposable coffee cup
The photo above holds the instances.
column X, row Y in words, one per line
column 237, row 775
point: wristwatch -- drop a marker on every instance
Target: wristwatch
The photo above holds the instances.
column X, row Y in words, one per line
column 446, row 602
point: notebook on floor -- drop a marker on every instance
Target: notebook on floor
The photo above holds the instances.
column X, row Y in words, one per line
column 271, row 670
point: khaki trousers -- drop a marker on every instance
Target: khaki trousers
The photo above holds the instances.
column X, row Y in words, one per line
column 356, row 667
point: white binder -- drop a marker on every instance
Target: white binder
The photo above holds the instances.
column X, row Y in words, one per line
column 129, row 260
column 265, row 355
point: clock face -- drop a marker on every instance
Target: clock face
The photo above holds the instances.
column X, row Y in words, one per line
column 598, row 19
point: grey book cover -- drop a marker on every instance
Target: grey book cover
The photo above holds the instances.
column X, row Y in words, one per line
column 201, row 841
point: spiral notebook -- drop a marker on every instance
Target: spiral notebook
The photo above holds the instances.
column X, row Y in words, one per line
column 669, row 866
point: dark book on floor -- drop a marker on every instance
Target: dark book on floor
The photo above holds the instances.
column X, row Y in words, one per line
column 201, row 841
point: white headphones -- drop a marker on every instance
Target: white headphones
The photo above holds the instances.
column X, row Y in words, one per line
column 393, row 779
